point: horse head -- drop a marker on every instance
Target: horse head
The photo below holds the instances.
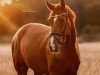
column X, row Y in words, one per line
column 60, row 22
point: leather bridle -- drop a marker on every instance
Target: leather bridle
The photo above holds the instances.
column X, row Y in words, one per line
column 61, row 35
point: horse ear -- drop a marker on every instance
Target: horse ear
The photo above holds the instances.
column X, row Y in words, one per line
column 62, row 3
column 50, row 6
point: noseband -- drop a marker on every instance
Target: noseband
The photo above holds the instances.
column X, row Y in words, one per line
column 62, row 37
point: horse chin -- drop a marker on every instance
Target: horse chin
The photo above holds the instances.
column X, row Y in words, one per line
column 56, row 50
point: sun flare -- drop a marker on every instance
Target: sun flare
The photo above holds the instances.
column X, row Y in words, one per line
column 7, row 22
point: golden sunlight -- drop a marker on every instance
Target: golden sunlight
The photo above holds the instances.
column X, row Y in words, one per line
column 7, row 22
column 5, row 2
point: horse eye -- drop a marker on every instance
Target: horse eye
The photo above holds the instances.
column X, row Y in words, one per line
column 49, row 19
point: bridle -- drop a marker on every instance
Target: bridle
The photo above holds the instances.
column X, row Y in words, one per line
column 58, row 34
column 59, row 15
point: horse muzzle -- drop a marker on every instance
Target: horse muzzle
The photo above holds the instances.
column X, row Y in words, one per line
column 53, row 48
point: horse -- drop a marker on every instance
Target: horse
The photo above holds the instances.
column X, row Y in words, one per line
column 48, row 50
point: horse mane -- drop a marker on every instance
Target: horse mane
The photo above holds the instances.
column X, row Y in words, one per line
column 72, row 14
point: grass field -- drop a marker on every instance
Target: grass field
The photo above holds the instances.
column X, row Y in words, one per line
column 90, row 60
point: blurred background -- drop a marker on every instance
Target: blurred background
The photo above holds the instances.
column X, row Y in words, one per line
column 16, row 13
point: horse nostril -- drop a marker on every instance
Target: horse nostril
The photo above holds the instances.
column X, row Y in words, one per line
column 54, row 47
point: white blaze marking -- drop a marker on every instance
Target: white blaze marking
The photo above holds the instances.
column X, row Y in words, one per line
column 52, row 43
column 55, row 19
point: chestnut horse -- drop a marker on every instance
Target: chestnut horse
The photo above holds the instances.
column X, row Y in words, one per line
column 49, row 50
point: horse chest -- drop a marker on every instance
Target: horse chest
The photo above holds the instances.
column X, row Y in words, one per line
column 62, row 65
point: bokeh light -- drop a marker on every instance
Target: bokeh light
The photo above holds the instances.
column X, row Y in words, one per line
column 5, row 2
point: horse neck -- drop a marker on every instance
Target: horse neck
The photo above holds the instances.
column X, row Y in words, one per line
column 69, row 45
